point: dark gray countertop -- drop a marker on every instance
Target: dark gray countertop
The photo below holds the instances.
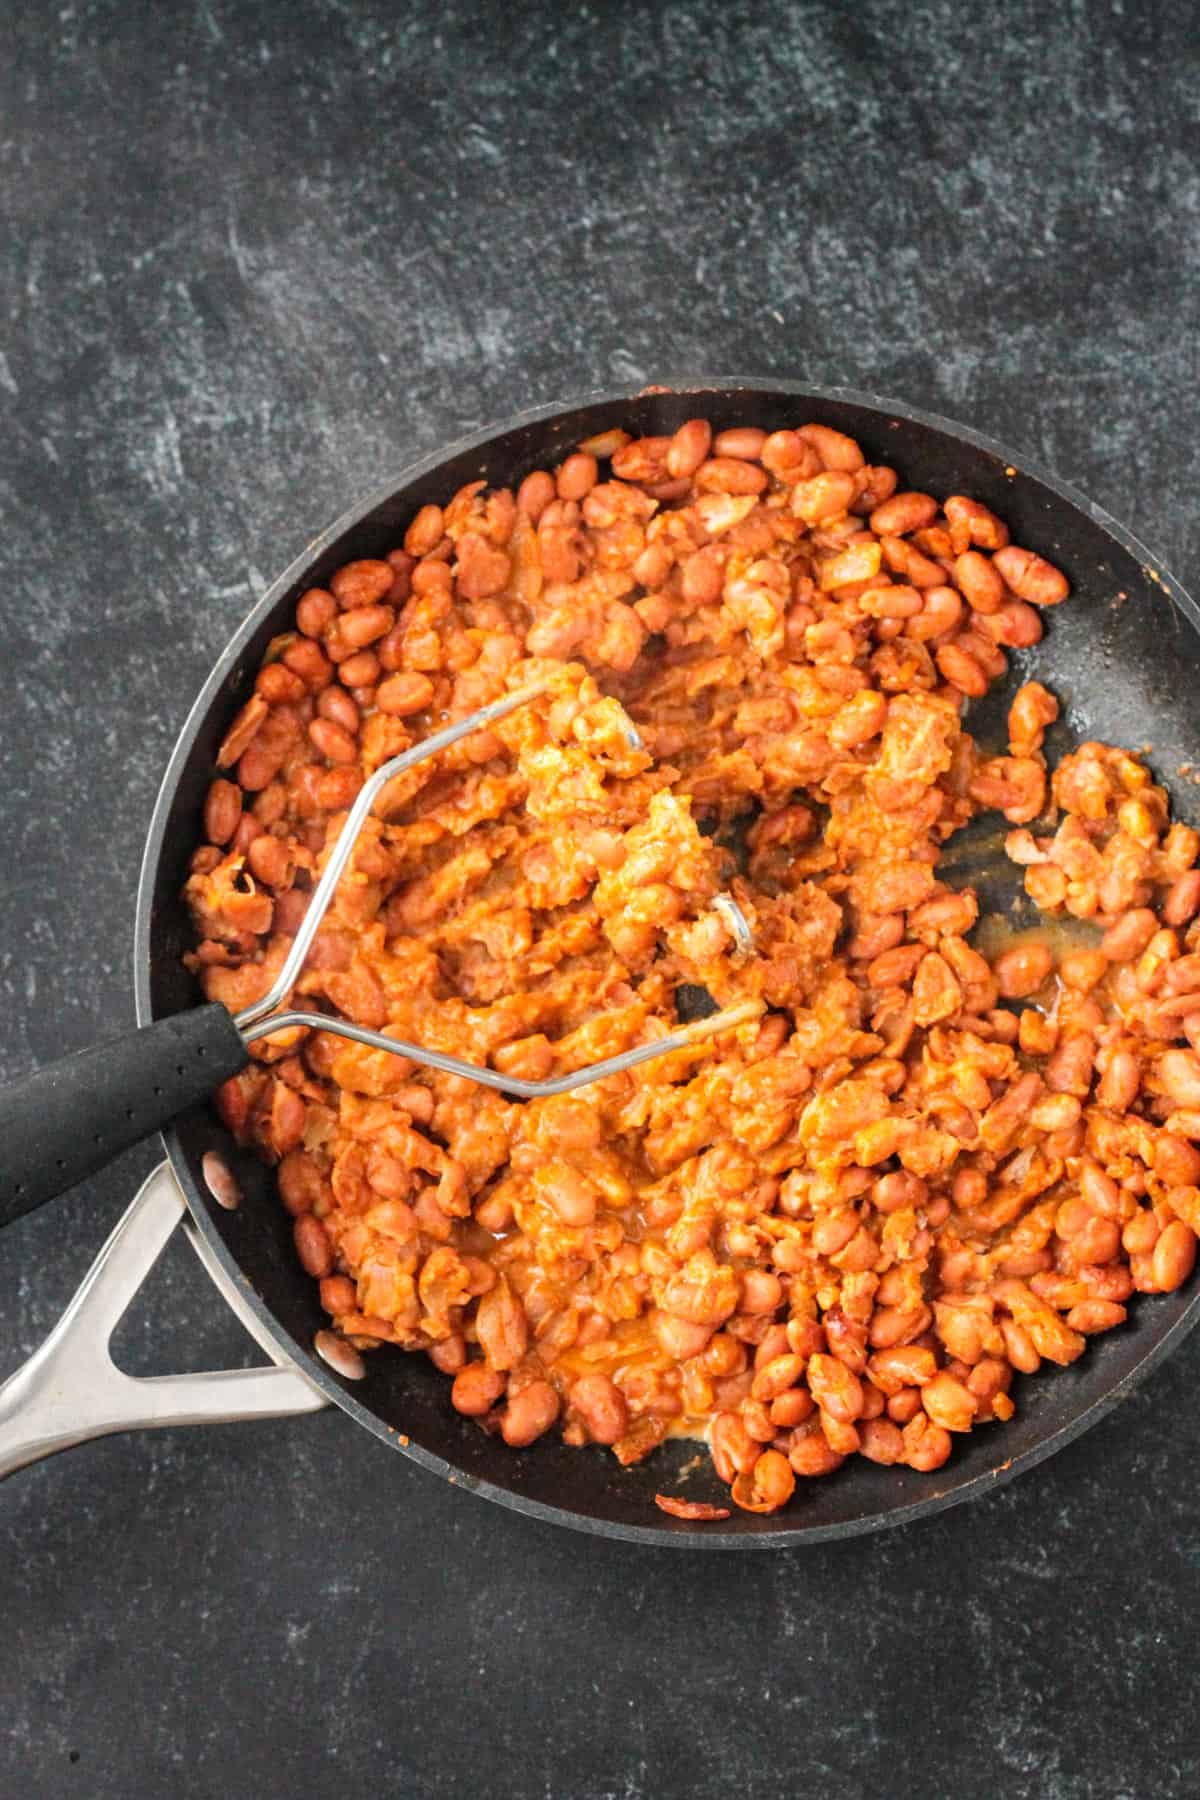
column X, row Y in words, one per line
column 256, row 256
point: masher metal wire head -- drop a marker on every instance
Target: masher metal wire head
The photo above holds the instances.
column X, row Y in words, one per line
column 261, row 1019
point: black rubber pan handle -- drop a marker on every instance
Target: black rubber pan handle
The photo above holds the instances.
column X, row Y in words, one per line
column 66, row 1121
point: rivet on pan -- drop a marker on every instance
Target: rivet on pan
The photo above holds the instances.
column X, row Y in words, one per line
column 342, row 1357
column 221, row 1181
column 737, row 922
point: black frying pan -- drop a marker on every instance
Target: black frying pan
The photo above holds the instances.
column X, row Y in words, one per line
column 1123, row 655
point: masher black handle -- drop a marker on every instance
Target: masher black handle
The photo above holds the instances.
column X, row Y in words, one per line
column 65, row 1121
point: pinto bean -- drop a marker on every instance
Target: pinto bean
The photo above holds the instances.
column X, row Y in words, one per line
column 688, row 448
column 338, row 1295
column 743, row 441
column 1031, row 577
column 834, row 1388
column 1022, row 970
column 1182, row 901
column 529, row 1414
column 1173, row 1257
column 962, row 671
column 974, row 523
column 601, row 1405
column 904, row 513
column 362, row 583
column 313, row 1246
column 835, row 449
column 1129, row 936
column 502, row 1327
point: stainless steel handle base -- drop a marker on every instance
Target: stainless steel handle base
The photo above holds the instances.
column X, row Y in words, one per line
column 71, row 1390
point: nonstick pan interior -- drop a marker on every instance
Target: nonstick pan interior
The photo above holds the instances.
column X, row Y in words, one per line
column 1123, row 655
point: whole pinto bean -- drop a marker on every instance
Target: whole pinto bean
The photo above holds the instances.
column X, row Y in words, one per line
column 743, row 441
column 601, row 1405
column 535, row 494
column 962, row 671
column 315, row 610
column 729, row 475
column 1031, row 577
column 356, row 629
column 425, row 531
column 1173, row 1257
column 222, row 811
column 338, row 1295
column 1129, row 935
column 1016, row 625
column 688, row 448
column 1179, row 1076
column 903, row 513
column 332, row 741
column 362, row 583
column 941, row 612
column 978, row 582
column 974, row 523
column 835, row 449
column 577, row 476
column 313, row 1246
column 1022, row 970
column 279, row 684
column 336, row 704
column 529, row 1414
column 1182, row 901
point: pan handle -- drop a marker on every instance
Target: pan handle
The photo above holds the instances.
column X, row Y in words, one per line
column 71, row 1390
column 69, row 1119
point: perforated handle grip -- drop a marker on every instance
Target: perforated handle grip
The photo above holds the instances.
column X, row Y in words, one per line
column 63, row 1122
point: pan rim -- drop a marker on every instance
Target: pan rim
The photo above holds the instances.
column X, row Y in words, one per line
column 697, row 1537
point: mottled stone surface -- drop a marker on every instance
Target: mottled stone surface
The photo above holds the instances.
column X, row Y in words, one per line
column 254, row 257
